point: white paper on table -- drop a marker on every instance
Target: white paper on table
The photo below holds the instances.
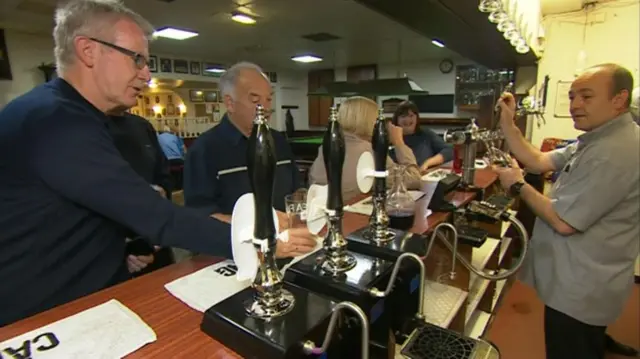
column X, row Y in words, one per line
column 365, row 206
column 208, row 286
column 109, row 330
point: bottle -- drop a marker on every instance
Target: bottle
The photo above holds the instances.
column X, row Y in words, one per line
column 400, row 205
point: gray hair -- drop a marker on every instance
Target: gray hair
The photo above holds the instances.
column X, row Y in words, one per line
column 91, row 18
column 229, row 79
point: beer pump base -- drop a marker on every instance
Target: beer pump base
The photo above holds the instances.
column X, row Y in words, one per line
column 353, row 286
column 278, row 337
column 430, row 341
column 403, row 301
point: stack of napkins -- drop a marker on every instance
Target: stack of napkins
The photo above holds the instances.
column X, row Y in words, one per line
column 109, row 330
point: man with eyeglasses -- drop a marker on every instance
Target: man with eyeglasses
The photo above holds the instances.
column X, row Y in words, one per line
column 68, row 198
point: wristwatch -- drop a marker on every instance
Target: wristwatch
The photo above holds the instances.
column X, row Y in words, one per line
column 515, row 188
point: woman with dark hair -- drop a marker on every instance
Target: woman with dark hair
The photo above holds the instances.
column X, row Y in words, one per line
column 429, row 148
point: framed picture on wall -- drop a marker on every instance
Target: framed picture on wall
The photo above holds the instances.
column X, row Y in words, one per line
column 153, row 63
column 211, row 96
column 181, row 66
column 166, row 65
column 196, row 96
column 195, row 68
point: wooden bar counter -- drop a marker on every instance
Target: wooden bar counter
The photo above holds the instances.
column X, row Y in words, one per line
column 176, row 325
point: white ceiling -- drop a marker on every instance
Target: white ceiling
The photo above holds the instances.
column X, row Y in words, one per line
column 366, row 36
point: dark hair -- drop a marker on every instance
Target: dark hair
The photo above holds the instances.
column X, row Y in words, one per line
column 403, row 109
column 621, row 80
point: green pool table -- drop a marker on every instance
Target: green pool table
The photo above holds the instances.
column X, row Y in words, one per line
column 316, row 140
column 305, row 148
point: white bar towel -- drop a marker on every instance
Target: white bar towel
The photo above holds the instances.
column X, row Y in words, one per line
column 109, row 330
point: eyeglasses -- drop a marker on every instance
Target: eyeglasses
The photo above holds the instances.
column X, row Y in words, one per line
column 139, row 59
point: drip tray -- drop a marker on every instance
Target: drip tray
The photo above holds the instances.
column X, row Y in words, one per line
column 433, row 342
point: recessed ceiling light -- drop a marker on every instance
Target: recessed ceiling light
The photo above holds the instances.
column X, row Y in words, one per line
column 437, row 43
column 306, row 58
column 216, row 70
column 243, row 18
column 175, row 34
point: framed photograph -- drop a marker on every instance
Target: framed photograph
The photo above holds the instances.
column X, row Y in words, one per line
column 171, row 109
column 153, row 63
column 166, row 65
column 196, row 96
column 195, row 68
column 181, row 66
column 211, row 96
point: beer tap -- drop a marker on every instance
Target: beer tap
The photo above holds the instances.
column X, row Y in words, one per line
column 271, row 299
column 337, row 258
column 379, row 220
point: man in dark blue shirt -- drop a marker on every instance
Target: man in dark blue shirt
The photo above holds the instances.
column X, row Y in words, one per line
column 67, row 197
column 215, row 173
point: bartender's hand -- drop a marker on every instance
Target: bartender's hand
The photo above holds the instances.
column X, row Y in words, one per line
column 395, row 134
column 509, row 175
column 507, row 105
column 138, row 263
column 301, row 241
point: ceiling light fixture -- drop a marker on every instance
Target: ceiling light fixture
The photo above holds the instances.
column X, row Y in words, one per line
column 306, row 59
column 216, row 70
column 243, row 18
column 437, row 43
column 174, row 34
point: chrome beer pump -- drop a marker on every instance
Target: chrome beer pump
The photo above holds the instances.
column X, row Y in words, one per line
column 272, row 318
column 343, row 274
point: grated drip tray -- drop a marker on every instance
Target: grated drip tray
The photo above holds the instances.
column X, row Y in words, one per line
column 432, row 342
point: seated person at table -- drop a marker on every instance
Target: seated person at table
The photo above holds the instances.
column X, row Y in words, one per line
column 429, row 148
column 69, row 199
column 137, row 142
column 358, row 115
column 215, row 171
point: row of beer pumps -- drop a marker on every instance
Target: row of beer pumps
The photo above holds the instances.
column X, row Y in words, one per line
column 357, row 296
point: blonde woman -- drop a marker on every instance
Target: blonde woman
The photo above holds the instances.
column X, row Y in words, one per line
column 358, row 115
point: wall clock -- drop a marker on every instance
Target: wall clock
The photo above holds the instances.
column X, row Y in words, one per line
column 446, row 66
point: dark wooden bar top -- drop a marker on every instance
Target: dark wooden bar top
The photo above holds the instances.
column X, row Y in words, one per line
column 176, row 325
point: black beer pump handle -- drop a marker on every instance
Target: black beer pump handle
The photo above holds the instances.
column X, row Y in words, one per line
column 380, row 143
column 333, row 151
column 261, row 165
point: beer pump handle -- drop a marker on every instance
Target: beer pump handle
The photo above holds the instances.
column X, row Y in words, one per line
column 333, row 151
column 380, row 145
column 380, row 142
column 261, row 165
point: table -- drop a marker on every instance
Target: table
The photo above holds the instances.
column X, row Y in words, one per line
column 176, row 325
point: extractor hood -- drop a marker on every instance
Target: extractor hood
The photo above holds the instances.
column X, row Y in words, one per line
column 381, row 87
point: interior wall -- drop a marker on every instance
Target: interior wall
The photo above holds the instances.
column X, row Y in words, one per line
column 612, row 36
column 290, row 88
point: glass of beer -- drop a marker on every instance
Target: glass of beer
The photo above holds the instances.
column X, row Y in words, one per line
column 296, row 206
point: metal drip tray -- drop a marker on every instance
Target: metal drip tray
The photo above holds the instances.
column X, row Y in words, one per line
column 432, row 342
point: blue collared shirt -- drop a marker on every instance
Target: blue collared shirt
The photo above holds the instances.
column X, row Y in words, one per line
column 172, row 145
column 215, row 171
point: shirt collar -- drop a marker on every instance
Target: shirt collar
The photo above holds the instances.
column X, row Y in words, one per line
column 605, row 129
column 70, row 92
